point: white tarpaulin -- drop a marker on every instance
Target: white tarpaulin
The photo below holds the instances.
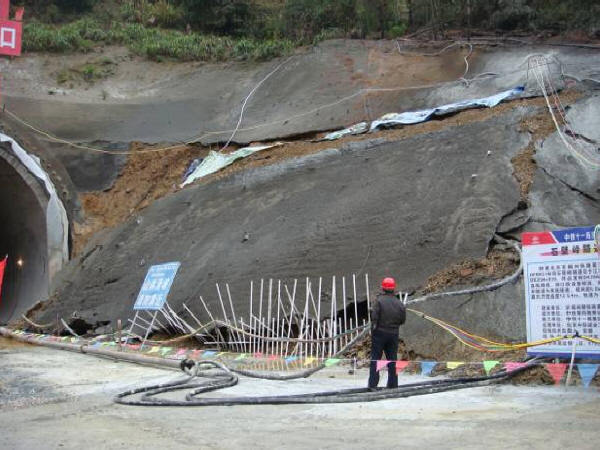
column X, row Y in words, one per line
column 215, row 161
column 410, row 117
column 359, row 128
column 56, row 216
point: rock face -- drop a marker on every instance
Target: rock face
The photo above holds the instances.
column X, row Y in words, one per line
column 566, row 191
column 408, row 207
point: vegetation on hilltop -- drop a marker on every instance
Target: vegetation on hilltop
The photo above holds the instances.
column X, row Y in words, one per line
column 214, row 30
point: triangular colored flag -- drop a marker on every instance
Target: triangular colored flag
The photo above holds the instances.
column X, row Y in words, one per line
column 489, row 365
column 587, row 372
column 222, row 353
column 557, row 370
column 381, row 364
column 331, row 362
column 401, row 365
column 208, row 354
column 181, row 352
column 510, row 366
column 166, row 350
column 257, row 355
column 154, row 350
column 242, row 356
column 427, row 367
column 454, row 364
column 291, row 359
column 195, row 353
column 272, row 357
column 308, row 361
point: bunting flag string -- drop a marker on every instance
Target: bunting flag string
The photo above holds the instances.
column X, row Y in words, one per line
column 587, row 372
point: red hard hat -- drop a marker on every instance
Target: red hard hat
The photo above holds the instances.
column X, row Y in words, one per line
column 388, row 284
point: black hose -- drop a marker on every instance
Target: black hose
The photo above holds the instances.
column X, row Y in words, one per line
column 219, row 376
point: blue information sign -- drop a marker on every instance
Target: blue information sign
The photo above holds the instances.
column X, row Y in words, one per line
column 156, row 287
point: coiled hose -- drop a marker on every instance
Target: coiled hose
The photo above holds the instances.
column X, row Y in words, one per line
column 216, row 376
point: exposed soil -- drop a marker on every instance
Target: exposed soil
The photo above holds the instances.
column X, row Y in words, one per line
column 497, row 264
column 145, row 178
column 539, row 126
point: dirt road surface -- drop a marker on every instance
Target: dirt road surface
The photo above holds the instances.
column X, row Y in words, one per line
column 53, row 399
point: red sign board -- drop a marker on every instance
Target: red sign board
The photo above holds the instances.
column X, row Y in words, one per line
column 10, row 37
column 11, row 31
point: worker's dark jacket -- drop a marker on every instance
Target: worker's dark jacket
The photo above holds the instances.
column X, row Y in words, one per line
column 388, row 313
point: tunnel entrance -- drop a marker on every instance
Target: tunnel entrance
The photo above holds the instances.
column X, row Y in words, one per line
column 32, row 231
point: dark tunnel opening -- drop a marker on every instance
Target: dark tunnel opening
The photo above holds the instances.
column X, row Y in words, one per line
column 23, row 238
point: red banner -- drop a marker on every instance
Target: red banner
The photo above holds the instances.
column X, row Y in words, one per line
column 2, row 267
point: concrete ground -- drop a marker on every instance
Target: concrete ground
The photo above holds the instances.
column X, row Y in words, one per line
column 54, row 399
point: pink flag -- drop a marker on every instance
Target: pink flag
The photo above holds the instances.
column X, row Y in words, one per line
column 181, row 351
column 510, row 366
column 257, row 355
column 273, row 357
column 557, row 371
column 400, row 366
column 381, row 364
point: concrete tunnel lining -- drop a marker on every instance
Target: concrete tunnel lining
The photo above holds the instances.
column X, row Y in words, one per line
column 33, row 229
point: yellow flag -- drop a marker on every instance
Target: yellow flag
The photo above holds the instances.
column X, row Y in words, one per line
column 454, row 364
column 308, row 361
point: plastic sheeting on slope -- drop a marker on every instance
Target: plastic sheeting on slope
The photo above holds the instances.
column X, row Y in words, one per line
column 410, row 117
column 56, row 216
column 359, row 128
column 215, row 161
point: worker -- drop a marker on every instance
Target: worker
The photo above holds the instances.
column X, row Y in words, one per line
column 387, row 314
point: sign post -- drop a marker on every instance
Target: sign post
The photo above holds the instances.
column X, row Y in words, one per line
column 562, row 291
column 153, row 294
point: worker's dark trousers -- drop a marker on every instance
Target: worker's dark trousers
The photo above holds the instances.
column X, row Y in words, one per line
column 388, row 343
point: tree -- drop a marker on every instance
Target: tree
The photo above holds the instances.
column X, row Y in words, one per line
column 219, row 16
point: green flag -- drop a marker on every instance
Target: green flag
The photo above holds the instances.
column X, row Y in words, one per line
column 489, row 365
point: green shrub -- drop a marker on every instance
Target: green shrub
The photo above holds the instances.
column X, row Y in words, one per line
column 166, row 14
